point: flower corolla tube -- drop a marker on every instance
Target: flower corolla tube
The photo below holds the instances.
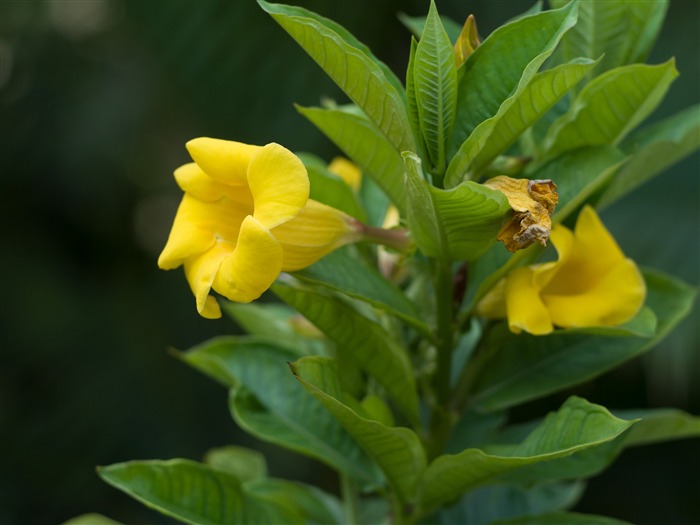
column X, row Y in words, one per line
column 245, row 217
column 591, row 284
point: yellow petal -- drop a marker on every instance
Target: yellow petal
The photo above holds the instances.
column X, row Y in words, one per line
column 493, row 304
column 200, row 272
column 525, row 309
column 194, row 181
column 593, row 254
column 279, row 183
column 347, row 171
column 467, row 42
column 316, row 231
column 615, row 299
column 225, row 161
column 252, row 267
column 198, row 224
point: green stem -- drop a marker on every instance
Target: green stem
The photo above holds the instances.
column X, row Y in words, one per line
column 472, row 370
column 442, row 418
column 350, row 500
column 397, row 238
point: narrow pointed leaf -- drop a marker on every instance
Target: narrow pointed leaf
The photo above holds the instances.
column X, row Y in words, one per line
column 267, row 402
column 652, row 150
column 610, row 106
column 396, row 450
column 343, row 273
column 362, row 142
column 527, row 367
column 575, row 427
column 359, row 340
column 194, row 493
column 356, row 73
column 509, row 57
column 421, row 214
column 411, row 103
column 520, row 111
column 435, row 83
column 622, row 30
column 415, row 24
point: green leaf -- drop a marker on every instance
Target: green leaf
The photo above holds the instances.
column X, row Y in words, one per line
column 411, row 103
column 330, row 189
column 347, row 62
column 362, row 142
column 509, row 57
column 316, row 506
column 497, row 502
column 621, row 30
column 563, row 518
column 91, row 519
column 435, row 83
column 396, row 450
column 194, row 493
column 343, row 273
column 575, row 427
column 578, row 174
column 660, row 424
column 610, row 106
column 652, row 150
column 267, row 402
column 415, row 25
column 522, row 109
column 525, row 367
column 460, row 223
column 360, row 341
column 242, row 463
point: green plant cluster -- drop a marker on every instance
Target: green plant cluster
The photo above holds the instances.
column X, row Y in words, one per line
column 399, row 387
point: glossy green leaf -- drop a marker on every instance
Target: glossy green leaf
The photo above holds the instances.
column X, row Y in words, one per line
column 242, row 463
column 398, row 451
column 330, row 189
column 509, row 57
column 341, row 272
column 194, row 493
column 525, row 367
column 411, row 103
column 362, row 142
column 460, row 223
column 575, row 427
column 316, row 506
column 652, row 150
column 359, row 340
column 621, row 30
column 415, row 24
column 522, row 109
column 435, row 84
column 488, row 504
column 610, row 106
column 91, row 519
column 349, row 65
column 578, row 174
column 563, row 518
column 267, row 402
column 660, row 424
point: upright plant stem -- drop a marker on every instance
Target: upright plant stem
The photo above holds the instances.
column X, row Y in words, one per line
column 350, row 500
column 442, row 420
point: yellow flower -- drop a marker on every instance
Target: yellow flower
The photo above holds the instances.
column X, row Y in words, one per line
column 245, row 217
column 346, row 170
column 591, row 284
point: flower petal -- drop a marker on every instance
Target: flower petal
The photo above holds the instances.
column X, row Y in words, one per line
column 316, row 231
column 194, row 181
column 253, row 266
column 200, row 272
column 615, row 299
column 225, row 161
column 346, row 170
column 198, row 224
column 525, row 309
column 493, row 304
column 279, row 183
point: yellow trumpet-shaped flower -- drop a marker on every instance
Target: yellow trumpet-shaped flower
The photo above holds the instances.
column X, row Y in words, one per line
column 591, row 284
column 245, row 217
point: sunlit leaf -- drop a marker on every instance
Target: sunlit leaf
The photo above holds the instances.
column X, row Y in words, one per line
column 242, row 463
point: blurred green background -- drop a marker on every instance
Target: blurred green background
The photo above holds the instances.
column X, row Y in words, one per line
column 98, row 98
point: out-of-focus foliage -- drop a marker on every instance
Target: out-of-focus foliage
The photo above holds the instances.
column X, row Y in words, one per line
column 97, row 99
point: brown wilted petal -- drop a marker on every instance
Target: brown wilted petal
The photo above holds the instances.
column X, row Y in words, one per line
column 533, row 202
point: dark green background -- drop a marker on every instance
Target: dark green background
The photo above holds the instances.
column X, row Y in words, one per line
column 97, row 101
